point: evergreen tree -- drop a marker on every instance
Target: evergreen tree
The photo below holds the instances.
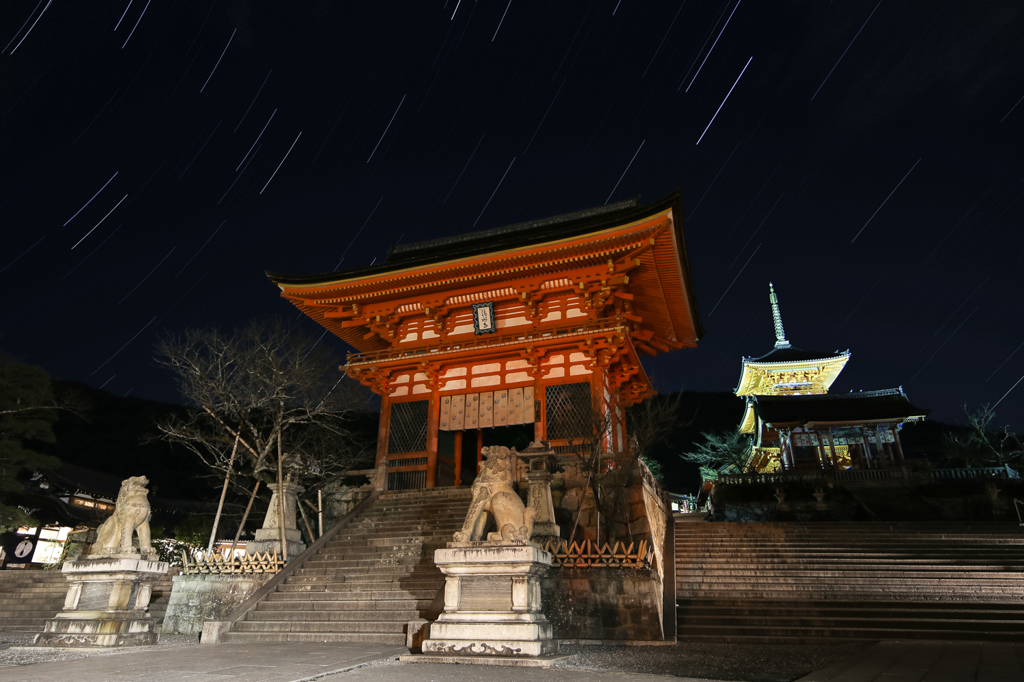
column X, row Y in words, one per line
column 27, row 413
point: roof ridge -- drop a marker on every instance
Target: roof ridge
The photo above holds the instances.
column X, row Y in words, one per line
column 515, row 227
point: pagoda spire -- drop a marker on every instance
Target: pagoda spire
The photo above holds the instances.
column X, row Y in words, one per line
column 780, row 333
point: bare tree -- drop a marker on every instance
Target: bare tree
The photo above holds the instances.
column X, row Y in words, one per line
column 611, row 472
column 263, row 383
column 982, row 443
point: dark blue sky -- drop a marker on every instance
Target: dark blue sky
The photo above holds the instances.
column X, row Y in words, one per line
column 869, row 161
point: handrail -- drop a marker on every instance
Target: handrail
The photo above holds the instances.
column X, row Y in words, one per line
column 1016, row 505
column 214, row 629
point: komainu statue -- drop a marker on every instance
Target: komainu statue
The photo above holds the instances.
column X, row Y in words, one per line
column 131, row 515
column 492, row 492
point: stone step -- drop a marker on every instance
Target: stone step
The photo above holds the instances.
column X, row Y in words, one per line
column 351, row 606
column 336, row 586
column 944, row 613
column 896, row 572
column 341, row 584
column 806, row 635
column 344, row 591
column 349, row 595
column 368, row 581
column 377, row 626
column 347, row 615
column 324, row 637
column 829, row 604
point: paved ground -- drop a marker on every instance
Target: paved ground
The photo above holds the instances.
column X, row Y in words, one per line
column 905, row 661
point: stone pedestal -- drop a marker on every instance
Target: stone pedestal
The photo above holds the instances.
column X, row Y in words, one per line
column 268, row 538
column 491, row 603
column 107, row 604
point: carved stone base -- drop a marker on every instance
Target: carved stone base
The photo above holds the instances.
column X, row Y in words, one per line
column 492, row 602
column 107, row 603
column 269, row 539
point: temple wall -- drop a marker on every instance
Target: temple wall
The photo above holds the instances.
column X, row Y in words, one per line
column 198, row 598
column 603, row 604
column 607, row 604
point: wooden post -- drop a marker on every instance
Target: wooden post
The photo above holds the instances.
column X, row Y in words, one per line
column 305, row 521
column 785, row 436
column 245, row 517
column 383, row 429
column 320, row 509
column 479, row 449
column 433, row 421
column 223, row 494
column 832, row 448
column 538, row 419
column 896, row 443
column 884, row 453
column 280, row 501
column 867, row 449
column 458, row 458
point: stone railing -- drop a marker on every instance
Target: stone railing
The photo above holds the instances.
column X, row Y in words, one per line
column 267, row 562
column 589, row 554
column 869, row 475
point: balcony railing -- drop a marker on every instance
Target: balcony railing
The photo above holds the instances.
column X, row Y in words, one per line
column 870, row 475
column 508, row 338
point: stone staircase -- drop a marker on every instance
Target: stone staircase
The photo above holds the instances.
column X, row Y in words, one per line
column 29, row 597
column 807, row 582
column 368, row 581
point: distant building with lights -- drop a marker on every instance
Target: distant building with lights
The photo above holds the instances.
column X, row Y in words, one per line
column 795, row 423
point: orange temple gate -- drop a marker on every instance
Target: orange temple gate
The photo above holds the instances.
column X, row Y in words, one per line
column 509, row 335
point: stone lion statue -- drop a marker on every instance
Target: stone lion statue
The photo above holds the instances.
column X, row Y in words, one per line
column 493, row 493
column 131, row 515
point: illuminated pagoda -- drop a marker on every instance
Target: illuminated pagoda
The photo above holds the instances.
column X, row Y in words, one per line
column 530, row 327
column 795, row 423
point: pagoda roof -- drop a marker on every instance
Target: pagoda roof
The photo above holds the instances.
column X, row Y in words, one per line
column 472, row 243
column 787, row 370
column 793, row 354
column 889, row 406
column 423, row 274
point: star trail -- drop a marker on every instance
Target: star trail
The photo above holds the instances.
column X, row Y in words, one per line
column 189, row 147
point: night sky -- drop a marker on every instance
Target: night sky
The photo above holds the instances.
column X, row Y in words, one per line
column 157, row 156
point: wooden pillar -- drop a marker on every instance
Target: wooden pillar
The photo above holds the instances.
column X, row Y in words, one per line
column 832, row 449
column 822, row 457
column 867, row 449
column 896, row 443
column 538, row 419
column 433, row 421
column 458, row 458
column 786, row 440
column 383, row 429
column 884, row 453
column 862, row 462
column 479, row 448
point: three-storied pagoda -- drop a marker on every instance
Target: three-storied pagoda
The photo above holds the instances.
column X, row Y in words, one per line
column 795, row 423
column 530, row 326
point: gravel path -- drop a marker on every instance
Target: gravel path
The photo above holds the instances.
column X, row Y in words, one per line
column 712, row 661
column 13, row 656
column 745, row 662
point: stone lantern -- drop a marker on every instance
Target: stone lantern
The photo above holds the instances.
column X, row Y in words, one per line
column 539, row 459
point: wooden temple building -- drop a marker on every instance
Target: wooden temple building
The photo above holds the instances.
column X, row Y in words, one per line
column 509, row 335
column 795, row 423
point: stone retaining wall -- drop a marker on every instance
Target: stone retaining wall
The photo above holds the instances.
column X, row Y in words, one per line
column 604, row 604
column 198, row 598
